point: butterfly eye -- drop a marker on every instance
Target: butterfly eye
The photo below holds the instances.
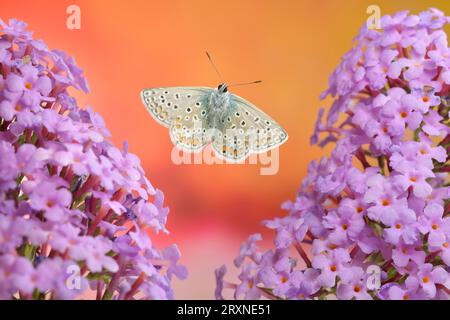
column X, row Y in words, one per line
column 222, row 88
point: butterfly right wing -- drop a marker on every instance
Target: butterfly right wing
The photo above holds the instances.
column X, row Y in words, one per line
column 245, row 130
column 265, row 132
column 184, row 111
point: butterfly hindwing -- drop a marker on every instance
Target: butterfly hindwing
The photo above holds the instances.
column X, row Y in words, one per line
column 231, row 144
column 184, row 110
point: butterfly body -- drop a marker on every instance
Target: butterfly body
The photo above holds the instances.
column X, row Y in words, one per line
column 219, row 106
column 197, row 116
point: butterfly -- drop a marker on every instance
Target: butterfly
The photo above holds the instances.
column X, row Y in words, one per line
column 197, row 116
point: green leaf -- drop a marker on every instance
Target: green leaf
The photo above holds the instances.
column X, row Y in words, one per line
column 392, row 272
column 37, row 295
column 29, row 251
column 107, row 295
column 375, row 257
column 20, row 178
column 402, row 279
column 381, row 163
column 105, row 277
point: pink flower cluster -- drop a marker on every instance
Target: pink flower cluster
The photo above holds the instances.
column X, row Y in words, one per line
column 381, row 200
column 75, row 211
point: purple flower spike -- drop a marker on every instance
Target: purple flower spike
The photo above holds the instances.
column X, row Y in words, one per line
column 372, row 220
column 75, row 211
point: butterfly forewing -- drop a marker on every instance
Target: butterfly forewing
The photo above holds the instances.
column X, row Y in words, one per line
column 184, row 110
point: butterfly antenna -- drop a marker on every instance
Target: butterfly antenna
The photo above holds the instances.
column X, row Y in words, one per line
column 244, row 83
column 214, row 66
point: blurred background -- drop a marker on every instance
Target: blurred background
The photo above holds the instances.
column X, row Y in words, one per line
column 125, row 46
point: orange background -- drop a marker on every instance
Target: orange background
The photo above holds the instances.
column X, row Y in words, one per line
column 125, row 46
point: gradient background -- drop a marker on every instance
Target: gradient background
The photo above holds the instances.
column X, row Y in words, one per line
column 125, row 46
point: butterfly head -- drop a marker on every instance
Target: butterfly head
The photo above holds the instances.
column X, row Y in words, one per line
column 222, row 88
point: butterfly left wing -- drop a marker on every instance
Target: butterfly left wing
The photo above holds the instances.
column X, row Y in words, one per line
column 183, row 110
column 246, row 129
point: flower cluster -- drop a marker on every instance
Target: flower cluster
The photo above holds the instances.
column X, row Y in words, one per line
column 381, row 200
column 75, row 211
